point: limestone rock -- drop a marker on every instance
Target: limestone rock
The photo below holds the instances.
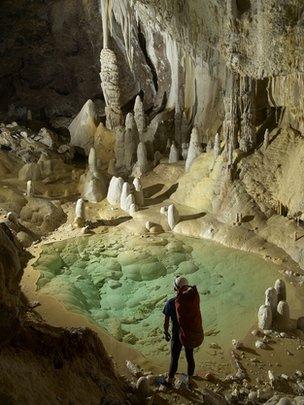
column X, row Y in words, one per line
column 115, row 190
column 80, row 212
column 47, row 138
column 194, row 149
column 130, row 201
column 173, row 216
column 265, row 317
column 83, row 127
column 42, row 216
column 104, row 144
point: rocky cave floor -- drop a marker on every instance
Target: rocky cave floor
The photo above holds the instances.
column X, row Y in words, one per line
column 45, row 214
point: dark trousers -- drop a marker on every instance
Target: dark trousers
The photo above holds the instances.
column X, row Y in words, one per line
column 176, row 348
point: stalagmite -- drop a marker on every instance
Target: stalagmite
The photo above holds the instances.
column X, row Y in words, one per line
column 265, row 317
column 142, row 165
column 194, row 149
column 139, row 115
column 109, row 75
column 283, row 314
column 80, row 213
column 280, row 287
column 83, row 127
column 131, row 141
column 93, row 162
column 174, row 154
column 29, row 188
column 120, row 148
column 173, row 216
column 124, row 195
column 209, row 147
column 129, row 202
column 185, row 147
column 139, row 193
column 266, row 139
column 271, row 299
column 132, row 209
column 217, row 145
column 94, row 184
column 115, row 190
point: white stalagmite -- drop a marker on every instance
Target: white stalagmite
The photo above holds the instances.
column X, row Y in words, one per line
column 124, row 195
column 111, row 90
column 80, row 209
column 271, row 299
column 185, row 147
column 115, row 190
column 93, row 162
column 29, row 188
column 174, row 154
column 130, row 122
column 129, row 202
column 139, row 115
column 142, row 165
column 173, row 216
column 265, row 317
column 283, row 313
column 83, row 127
column 194, row 149
column 80, row 213
column 130, row 148
column 139, row 193
column 266, row 139
column 280, row 287
column 133, row 209
column 217, row 145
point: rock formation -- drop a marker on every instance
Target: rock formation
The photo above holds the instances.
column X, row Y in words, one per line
column 80, row 213
column 271, row 299
column 29, row 188
column 174, row 154
column 142, row 165
column 217, row 145
column 93, row 183
column 280, row 287
column 124, row 196
column 265, row 317
column 194, row 149
column 138, row 193
column 139, row 116
column 109, row 75
column 83, row 127
column 115, row 190
column 173, row 216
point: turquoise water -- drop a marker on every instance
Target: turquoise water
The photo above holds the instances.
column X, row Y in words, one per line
column 122, row 282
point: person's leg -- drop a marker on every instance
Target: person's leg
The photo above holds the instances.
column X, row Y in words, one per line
column 176, row 348
column 190, row 361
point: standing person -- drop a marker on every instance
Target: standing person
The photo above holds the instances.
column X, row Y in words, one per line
column 184, row 313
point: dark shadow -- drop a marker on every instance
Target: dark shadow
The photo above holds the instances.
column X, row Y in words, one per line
column 109, row 222
column 150, row 191
column 249, row 350
column 248, row 218
column 160, row 198
column 192, row 216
